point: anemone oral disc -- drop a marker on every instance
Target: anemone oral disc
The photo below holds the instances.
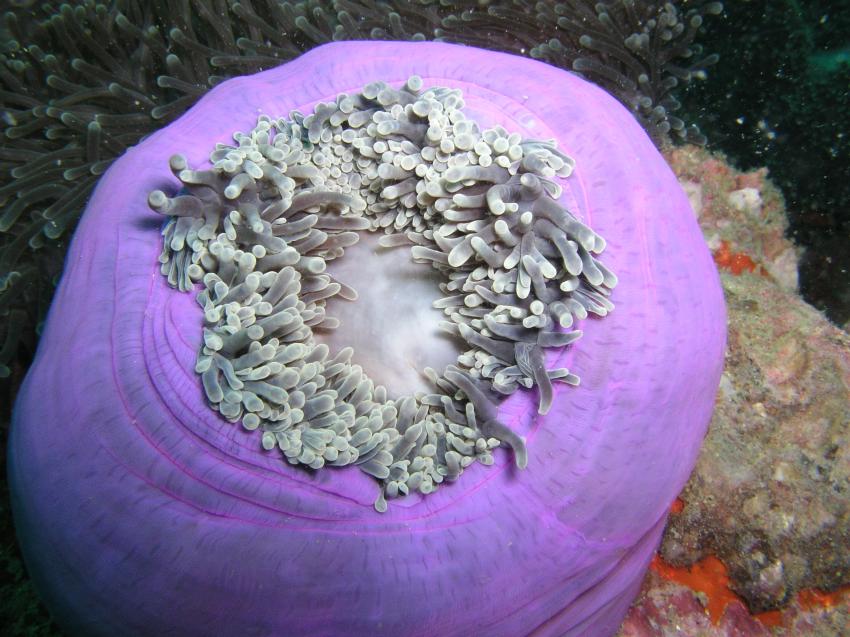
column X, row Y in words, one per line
column 256, row 232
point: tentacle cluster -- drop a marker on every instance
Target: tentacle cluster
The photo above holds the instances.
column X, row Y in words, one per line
column 641, row 51
column 256, row 230
column 83, row 80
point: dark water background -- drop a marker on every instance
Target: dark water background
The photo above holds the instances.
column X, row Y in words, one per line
column 780, row 98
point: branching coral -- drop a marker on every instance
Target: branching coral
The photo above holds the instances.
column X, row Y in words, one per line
column 85, row 81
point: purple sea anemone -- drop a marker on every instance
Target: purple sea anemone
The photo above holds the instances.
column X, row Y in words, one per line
column 142, row 511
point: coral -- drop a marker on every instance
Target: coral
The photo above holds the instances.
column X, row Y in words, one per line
column 124, row 469
column 742, row 215
column 668, row 609
column 85, row 81
column 778, row 442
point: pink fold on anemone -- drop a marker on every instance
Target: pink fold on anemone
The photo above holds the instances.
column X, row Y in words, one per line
column 140, row 511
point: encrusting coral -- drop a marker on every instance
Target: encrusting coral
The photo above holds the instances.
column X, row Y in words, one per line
column 84, row 81
column 480, row 207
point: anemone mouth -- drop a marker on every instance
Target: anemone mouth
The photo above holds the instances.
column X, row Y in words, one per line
column 255, row 234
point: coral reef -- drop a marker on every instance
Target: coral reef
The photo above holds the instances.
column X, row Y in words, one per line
column 769, row 494
column 84, row 81
column 668, row 609
column 742, row 215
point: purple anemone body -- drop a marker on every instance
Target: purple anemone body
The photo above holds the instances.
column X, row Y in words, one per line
column 142, row 512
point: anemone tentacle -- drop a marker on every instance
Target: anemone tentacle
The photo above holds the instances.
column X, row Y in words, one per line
column 85, row 80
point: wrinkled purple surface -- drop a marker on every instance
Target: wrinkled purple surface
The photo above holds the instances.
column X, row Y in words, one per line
column 140, row 512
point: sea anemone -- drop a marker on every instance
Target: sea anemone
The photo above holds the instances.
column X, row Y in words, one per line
column 142, row 511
